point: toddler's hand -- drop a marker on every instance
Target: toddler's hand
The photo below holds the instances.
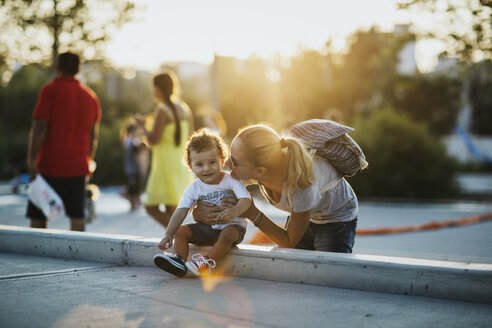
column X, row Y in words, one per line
column 225, row 216
column 165, row 243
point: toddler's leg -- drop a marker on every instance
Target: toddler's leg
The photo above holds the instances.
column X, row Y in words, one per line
column 181, row 240
column 227, row 238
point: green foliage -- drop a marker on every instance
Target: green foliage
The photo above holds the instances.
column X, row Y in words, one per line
column 244, row 92
column 18, row 101
column 481, row 97
column 82, row 26
column 366, row 70
column 431, row 100
column 468, row 25
column 109, row 157
column 303, row 85
column 404, row 159
column 120, row 98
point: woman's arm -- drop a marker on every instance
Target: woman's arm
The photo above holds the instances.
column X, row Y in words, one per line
column 289, row 237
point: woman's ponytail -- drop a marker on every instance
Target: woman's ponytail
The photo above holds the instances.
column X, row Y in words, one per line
column 177, row 124
column 298, row 166
column 167, row 83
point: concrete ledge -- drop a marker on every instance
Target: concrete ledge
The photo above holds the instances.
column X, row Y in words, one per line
column 451, row 280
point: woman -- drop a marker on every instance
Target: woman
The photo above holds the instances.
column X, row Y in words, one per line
column 291, row 180
column 173, row 123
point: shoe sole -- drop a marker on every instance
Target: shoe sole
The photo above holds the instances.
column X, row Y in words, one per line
column 169, row 265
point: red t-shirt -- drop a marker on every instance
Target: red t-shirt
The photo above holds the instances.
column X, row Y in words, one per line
column 71, row 109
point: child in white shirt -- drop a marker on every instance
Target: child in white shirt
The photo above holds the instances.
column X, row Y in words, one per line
column 205, row 155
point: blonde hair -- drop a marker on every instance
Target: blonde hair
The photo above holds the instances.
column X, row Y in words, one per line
column 202, row 140
column 265, row 148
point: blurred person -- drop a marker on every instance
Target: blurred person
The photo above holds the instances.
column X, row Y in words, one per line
column 291, row 180
column 205, row 155
column 63, row 140
column 132, row 147
column 172, row 124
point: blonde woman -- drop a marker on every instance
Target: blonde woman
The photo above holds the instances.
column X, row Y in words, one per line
column 290, row 179
column 173, row 123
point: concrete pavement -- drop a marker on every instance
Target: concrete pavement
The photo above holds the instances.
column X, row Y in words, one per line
column 58, row 278
column 409, row 276
column 48, row 292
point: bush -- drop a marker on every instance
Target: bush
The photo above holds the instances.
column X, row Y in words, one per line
column 404, row 159
column 109, row 157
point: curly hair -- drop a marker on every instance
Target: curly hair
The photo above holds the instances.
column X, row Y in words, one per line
column 205, row 139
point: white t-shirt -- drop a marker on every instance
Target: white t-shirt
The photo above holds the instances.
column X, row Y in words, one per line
column 213, row 194
column 336, row 205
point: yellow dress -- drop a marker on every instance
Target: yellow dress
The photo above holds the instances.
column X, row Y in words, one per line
column 168, row 177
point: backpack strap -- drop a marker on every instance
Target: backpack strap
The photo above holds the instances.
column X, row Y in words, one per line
column 330, row 185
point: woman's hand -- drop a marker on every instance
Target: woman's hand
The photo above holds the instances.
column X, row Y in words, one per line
column 228, row 202
column 139, row 119
column 227, row 215
column 207, row 213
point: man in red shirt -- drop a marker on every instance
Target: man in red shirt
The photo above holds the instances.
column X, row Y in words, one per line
column 63, row 140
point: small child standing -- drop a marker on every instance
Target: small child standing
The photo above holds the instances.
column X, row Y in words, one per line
column 132, row 146
column 205, row 155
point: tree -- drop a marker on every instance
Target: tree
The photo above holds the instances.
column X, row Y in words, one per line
column 469, row 24
column 36, row 31
column 367, row 68
column 480, row 78
column 17, row 101
column 405, row 160
column 434, row 100
column 305, row 83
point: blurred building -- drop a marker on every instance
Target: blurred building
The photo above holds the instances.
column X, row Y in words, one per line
column 471, row 141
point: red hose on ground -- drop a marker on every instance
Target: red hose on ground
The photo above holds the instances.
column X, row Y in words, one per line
column 260, row 238
column 433, row 225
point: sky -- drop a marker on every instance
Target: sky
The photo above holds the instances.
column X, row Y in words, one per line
column 193, row 30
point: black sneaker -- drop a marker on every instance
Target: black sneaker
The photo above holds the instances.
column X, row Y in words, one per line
column 171, row 263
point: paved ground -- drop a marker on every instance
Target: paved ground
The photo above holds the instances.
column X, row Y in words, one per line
column 45, row 292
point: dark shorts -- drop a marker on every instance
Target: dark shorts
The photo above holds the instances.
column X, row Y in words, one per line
column 338, row 237
column 72, row 192
column 205, row 235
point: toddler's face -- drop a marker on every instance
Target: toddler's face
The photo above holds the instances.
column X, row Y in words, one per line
column 207, row 165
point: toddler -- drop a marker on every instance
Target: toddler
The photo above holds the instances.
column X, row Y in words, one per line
column 205, row 155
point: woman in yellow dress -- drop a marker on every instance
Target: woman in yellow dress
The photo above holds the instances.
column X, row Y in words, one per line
column 172, row 124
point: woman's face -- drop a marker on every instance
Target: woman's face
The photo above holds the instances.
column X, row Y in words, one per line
column 238, row 162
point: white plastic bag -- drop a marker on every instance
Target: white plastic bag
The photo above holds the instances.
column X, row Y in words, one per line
column 45, row 198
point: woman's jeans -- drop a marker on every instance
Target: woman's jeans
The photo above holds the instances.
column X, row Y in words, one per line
column 336, row 237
